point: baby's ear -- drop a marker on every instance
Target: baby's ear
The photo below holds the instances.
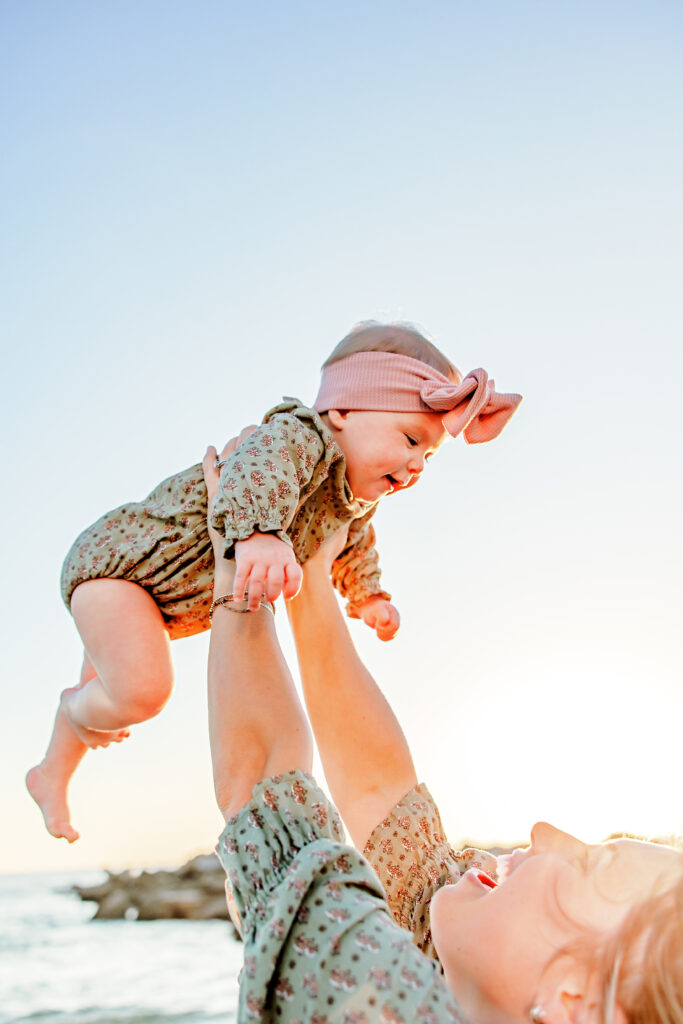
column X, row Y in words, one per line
column 337, row 418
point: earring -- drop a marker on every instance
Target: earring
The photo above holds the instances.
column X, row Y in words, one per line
column 537, row 1014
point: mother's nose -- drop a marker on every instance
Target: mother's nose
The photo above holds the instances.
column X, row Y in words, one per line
column 546, row 838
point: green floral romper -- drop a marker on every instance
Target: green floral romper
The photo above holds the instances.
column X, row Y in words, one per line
column 320, row 943
column 288, row 477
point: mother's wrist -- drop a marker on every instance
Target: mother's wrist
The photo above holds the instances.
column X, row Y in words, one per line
column 316, row 579
column 222, row 583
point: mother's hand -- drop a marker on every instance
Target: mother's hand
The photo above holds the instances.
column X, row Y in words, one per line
column 213, row 462
column 330, row 549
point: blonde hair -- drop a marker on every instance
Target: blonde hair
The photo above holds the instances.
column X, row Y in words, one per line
column 402, row 338
column 640, row 966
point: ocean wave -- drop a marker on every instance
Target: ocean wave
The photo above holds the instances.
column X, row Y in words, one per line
column 121, row 1015
column 60, row 967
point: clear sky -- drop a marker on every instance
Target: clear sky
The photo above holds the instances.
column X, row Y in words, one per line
column 198, row 201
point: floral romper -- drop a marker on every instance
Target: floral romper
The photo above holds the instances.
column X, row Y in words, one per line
column 320, row 943
column 288, row 478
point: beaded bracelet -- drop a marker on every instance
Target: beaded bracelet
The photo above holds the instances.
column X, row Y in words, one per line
column 228, row 599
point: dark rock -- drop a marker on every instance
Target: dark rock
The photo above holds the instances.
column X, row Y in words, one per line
column 195, row 891
column 113, row 905
column 170, row 903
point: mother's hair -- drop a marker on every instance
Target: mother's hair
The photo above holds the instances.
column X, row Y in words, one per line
column 639, row 966
column 650, row 985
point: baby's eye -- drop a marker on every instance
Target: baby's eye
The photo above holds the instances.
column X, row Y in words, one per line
column 411, row 441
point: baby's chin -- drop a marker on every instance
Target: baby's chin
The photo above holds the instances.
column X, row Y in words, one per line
column 380, row 492
column 370, row 491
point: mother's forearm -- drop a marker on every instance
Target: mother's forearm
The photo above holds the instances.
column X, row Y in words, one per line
column 257, row 726
column 364, row 752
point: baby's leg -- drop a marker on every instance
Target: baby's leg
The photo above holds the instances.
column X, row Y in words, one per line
column 126, row 677
column 48, row 782
column 126, row 641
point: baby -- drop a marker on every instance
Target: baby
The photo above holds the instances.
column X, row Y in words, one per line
column 143, row 574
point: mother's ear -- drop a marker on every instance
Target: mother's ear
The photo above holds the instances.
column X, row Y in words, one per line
column 577, row 997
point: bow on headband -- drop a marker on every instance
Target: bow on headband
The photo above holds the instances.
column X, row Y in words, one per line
column 386, row 381
column 474, row 406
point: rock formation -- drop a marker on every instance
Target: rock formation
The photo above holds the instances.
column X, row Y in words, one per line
column 195, row 891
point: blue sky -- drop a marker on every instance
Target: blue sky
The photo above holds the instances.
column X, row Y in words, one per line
column 198, row 201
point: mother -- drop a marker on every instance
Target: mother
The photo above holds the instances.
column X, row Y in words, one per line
column 560, row 932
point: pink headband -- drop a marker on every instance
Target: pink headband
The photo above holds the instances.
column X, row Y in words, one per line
column 385, row 381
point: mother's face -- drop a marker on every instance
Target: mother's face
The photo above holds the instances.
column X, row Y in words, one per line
column 494, row 942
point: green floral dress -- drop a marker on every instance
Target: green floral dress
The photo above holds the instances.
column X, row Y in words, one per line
column 320, row 943
column 288, row 478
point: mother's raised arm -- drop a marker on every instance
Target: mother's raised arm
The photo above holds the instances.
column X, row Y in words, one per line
column 364, row 752
column 257, row 726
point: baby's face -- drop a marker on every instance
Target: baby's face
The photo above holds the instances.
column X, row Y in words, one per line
column 385, row 451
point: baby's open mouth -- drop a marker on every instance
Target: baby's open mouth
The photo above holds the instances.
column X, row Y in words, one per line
column 393, row 482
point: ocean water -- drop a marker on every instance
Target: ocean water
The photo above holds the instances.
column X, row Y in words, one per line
column 57, row 966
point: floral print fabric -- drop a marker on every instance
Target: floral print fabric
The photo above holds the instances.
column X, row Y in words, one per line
column 320, row 945
column 413, row 858
column 288, row 477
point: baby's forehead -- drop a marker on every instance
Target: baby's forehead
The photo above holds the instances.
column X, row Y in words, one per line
column 431, row 422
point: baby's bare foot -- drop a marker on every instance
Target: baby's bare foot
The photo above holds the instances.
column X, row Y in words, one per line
column 49, row 793
column 91, row 737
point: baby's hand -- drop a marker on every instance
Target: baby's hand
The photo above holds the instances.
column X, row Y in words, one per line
column 266, row 567
column 380, row 615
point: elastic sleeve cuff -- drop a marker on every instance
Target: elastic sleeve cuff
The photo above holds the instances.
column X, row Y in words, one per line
column 286, row 813
column 413, row 859
column 353, row 606
column 248, row 527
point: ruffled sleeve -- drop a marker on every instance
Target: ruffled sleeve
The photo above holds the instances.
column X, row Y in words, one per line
column 258, row 847
column 413, row 859
column 265, row 479
column 356, row 573
column 319, row 942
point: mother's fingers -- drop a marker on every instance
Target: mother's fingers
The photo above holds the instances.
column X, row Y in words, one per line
column 211, row 473
column 235, row 442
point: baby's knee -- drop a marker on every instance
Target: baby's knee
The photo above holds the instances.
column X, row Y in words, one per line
column 149, row 697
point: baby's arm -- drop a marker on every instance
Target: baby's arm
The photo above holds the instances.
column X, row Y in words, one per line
column 356, row 575
column 263, row 474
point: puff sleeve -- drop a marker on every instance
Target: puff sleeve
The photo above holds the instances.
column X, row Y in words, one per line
column 356, row 573
column 319, row 942
column 413, row 859
column 265, row 480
